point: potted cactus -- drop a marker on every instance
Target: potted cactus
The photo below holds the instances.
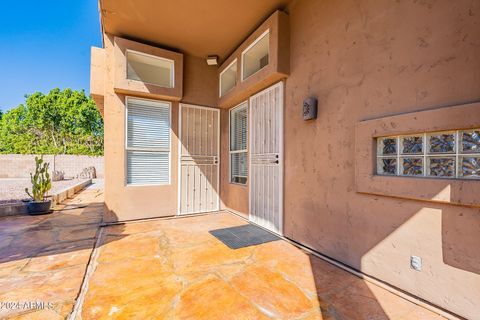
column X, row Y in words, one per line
column 41, row 184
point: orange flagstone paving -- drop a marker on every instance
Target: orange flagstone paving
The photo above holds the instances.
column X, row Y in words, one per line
column 43, row 258
column 174, row 269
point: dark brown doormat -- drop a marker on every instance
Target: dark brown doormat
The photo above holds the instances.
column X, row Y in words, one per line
column 243, row 236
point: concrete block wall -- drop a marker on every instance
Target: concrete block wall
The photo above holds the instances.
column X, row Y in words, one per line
column 20, row 165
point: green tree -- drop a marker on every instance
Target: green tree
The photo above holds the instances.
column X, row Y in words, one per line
column 60, row 122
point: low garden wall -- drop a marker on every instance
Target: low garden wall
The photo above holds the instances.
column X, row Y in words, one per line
column 20, row 165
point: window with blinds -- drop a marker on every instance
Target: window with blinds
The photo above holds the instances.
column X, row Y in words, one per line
column 148, row 142
column 238, row 144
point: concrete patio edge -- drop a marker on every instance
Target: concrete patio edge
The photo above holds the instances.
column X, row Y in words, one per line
column 13, row 209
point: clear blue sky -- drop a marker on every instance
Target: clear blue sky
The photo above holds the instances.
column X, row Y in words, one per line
column 44, row 45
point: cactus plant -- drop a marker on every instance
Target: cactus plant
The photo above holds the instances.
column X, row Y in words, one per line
column 41, row 182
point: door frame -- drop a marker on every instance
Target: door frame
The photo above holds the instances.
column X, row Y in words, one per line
column 281, row 85
column 179, row 178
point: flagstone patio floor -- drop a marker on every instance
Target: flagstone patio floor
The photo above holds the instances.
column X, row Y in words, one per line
column 172, row 269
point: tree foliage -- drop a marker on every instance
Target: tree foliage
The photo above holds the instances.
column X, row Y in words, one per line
column 60, row 122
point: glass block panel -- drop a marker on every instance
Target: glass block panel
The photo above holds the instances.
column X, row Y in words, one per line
column 470, row 167
column 411, row 145
column 470, row 141
column 441, row 166
column 441, row 143
column 387, row 146
column 387, row 166
column 412, row 166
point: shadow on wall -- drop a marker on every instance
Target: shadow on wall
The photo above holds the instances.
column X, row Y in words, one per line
column 460, row 239
column 453, row 237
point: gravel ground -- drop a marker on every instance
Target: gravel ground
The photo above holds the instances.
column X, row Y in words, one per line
column 13, row 190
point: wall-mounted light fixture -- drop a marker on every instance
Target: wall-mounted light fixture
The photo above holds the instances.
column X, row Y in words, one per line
column 212, row 60
column 310, row 108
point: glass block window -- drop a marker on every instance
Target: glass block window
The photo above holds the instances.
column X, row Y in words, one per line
column 238, row 144
column 447, row 154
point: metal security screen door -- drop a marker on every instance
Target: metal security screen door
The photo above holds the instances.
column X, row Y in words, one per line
column 199, row 159
column 266, row 157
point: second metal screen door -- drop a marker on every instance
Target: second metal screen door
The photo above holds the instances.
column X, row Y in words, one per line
column 199, row 159
column 266, row 158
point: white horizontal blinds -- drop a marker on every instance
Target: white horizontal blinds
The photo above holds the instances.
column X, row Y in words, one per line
column 148, row 142
column 238, row 144
column 238, row 128
column 147, row 167
column 239, row 165
column 148, row 125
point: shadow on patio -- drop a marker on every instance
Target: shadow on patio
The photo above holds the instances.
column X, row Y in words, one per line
column 175, row 269
column 43, row 258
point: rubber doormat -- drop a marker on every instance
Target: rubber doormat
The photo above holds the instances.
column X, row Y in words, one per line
column 243, row 236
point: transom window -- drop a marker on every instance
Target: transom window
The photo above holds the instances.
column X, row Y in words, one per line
column 238, row 144
column 256, row 56
column 150, row 69
column 446, row 154
column 228, row 78
column 148, row 142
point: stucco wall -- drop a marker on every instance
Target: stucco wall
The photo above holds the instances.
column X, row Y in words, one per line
column 133, row 202
column 364, row 60
column 20, row 165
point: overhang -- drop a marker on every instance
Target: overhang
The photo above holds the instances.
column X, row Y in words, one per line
column 198, row 28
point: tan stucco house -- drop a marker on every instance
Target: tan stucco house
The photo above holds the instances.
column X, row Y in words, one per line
column 349, row 127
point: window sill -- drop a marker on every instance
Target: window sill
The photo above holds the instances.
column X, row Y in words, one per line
column 238, row 184
column 133, row 185
column 453, row 191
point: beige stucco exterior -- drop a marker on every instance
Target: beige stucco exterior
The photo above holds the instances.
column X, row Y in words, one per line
column 125, row 202
column 374, row 66
column 369, row 60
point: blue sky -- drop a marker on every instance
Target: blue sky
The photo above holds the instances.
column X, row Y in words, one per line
column 44, row 45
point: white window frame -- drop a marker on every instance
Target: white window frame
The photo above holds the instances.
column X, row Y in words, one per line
column 153, row 150
column 220, row 79
column 260, row 37
column 230, row 152
column 172, row 71
column 425, row 155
